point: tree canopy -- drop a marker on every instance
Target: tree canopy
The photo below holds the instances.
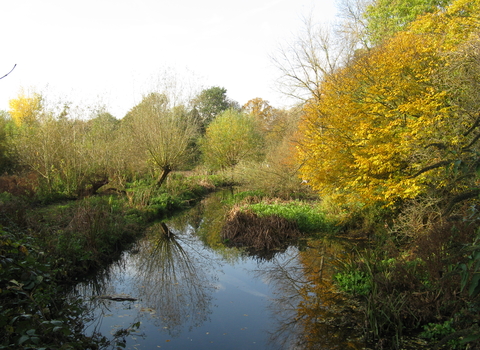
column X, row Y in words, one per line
column 210, row 103
column 231, row 138
column 165, row 133
column 386, row 17
column 385, row 127
column 25, row 108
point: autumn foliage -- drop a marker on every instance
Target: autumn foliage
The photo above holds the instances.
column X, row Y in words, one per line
column 387, row 126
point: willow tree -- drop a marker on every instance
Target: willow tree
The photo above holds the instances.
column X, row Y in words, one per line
column 164, row 132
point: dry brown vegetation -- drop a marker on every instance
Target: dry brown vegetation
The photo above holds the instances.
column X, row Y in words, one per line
column 17, row 185
column 243, row 228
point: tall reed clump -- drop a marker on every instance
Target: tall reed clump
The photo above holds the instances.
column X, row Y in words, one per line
column 244, row 228
column 262, row 224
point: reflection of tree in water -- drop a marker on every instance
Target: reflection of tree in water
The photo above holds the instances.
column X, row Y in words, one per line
column 170, row 281
column 205, row 221
column 307, row 307
column 101, row 283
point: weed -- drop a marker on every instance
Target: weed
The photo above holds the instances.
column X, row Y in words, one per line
column 437, row 331
column 354, row 282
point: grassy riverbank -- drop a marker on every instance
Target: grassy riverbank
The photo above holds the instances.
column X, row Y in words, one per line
column 46, row 247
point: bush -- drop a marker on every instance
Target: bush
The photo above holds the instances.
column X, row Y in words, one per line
column 33, row 310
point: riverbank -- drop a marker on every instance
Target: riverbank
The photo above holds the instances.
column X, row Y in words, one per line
column 44, row 248
column 399, row 287
column 409, row 290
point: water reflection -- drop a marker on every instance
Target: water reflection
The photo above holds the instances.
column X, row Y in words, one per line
column 194, row 293
column 170, row 280
column 308, row 310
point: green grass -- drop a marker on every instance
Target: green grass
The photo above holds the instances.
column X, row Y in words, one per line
column 308, row 218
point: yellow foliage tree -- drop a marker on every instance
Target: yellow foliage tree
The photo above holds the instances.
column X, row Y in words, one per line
column 262, row 111
column 370, row 136
column 25, row 108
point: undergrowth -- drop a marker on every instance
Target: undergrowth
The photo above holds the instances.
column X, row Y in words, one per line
column 430, row 287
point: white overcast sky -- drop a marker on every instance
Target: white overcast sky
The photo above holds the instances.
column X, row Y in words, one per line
column 109, row 51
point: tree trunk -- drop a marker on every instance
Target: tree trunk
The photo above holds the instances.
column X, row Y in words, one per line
column 166, row 230
column 163, row 176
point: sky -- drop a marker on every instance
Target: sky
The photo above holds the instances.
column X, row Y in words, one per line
column 112, row 52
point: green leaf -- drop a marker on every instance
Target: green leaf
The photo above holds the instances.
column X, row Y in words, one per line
column 474, row 285
column 29, row 286
column 464, row 274
column 470, row 338
column 23, row 339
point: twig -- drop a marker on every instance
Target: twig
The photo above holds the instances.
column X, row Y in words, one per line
column 11, row 70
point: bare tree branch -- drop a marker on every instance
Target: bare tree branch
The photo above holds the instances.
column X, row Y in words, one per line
column 460, row 198
column 474, row 140
column 430, row 167
column 11, row 70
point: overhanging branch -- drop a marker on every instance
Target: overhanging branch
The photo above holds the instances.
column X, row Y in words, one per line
column 11, row 70
column 431, row 167
column 460, row 198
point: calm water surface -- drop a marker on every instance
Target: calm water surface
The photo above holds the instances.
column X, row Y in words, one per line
column 193, row 293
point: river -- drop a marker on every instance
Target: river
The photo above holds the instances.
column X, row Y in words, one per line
column 181, row 288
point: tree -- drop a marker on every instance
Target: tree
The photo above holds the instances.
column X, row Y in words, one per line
column 165, row 133
column 386, row 17
column 316, row 52
column 25, row 108
column 262, row 111
column 231, row 138
column 67, row 154
column 210, row 103
column 384, row 129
